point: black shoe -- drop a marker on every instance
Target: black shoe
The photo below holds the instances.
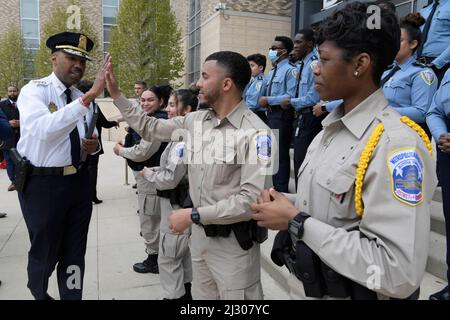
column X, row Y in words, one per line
column 149, row 265
column 444, row 294
column 2, row 214
column 48, row 297
column 97, row 201
column 187, row 295
column 134, row 186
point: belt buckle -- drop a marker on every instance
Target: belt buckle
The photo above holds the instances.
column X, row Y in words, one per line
column 69, row 170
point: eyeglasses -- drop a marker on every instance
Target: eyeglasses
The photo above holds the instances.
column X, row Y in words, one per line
column 275, row 48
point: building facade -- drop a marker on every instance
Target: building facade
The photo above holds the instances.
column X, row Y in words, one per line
column 244, row 26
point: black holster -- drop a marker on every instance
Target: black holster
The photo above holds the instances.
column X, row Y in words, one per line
column 23, row 169
column 245, row 232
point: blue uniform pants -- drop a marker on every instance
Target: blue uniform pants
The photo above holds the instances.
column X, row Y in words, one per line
column 57, row 211
column 282, row 121
column 443, row 164
column 307, row 128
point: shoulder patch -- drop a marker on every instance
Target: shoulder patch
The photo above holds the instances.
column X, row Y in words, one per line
column 313, row 64
column 180, row 150
column 258, row 86
column 406, row 172
column 263, row 143
column 294, row 73
column 427, row 76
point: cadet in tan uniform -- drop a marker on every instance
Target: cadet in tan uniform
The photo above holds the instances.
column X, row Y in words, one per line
column 152, row 103
column 360, row 224
column 230, row 156
column 171, row 182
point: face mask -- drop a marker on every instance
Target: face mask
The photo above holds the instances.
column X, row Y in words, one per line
column 273, row 55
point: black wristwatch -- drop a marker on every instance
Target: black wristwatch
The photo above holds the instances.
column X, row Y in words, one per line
column 195, row 216
column 296, row 225
column 324, row 108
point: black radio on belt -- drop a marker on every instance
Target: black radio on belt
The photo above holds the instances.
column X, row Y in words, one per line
column 23, row 169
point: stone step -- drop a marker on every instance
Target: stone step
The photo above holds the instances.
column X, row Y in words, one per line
column 436, row 264
column 437, row 218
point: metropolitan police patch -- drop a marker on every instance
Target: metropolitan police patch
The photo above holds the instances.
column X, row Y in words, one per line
column 406, row 171
column 180, row 150
column 264, row 146
column 427, row 76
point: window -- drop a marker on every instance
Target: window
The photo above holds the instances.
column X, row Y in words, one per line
column 29, row 24
column 194, row 41
column 110, row 10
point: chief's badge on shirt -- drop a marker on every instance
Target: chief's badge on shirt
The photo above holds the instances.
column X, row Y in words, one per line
column 406, row 171
column 52, row 107
column 427, row 76
column 264, row 146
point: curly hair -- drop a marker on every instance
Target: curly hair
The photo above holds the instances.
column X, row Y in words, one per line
column 348, row 29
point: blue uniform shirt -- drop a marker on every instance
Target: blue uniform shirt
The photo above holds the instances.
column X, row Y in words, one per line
column 410, row 89
column 283, row 83
column 438, row 41
column 307, row 94
column 440, row 109
column 252, row 92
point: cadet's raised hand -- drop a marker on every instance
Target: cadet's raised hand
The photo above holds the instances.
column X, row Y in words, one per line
column 317, row 109
column 274, row 214
column 263, row 102
column 99, row 82
column 111, row 83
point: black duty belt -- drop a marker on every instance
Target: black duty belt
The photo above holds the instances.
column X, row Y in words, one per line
column 53, row 171
column 306, row 110
column 275, row 108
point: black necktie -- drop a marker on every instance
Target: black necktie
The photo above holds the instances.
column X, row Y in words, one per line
column 74, row 136
column 297, row 89
column 389, row 75
column 269, row 91
column 426, row 28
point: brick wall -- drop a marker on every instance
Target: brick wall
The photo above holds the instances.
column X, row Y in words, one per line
column 9, row 14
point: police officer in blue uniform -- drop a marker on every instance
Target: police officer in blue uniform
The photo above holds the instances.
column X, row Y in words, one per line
column 282, row 83
column 407, row 85
column 306, row 96
column 438, row 119
column 55, row 200
column 435, row 48
column 252, row 91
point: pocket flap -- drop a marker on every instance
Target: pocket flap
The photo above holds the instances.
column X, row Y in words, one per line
column 338, row 182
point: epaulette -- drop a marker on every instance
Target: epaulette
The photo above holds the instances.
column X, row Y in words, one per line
column 419, row 64
column 260, row 77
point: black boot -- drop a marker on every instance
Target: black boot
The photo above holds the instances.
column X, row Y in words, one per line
column 149, row 265
column 444, row 294
column 187, row 295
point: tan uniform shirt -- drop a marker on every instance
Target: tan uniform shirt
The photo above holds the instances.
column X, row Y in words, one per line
column 172, row 169
column 227, row 168
column 389, row 252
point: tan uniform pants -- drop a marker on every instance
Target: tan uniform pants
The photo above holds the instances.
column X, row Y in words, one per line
column 222, row 269
column 149, row 213
column 174, row 260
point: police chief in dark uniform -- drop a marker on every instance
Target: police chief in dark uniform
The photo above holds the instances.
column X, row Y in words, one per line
column 55, row 198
